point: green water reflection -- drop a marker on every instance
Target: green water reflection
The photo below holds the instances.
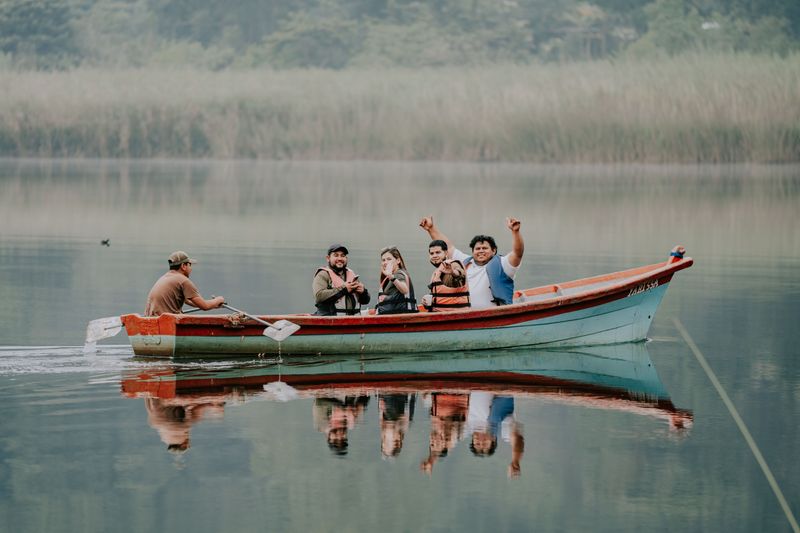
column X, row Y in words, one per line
column 608, row 377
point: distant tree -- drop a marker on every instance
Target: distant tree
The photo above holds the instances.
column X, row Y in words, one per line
column 116, row 33
column 421, row 43
column 176, row 20
column 314, row 40
column 765, row 35
column 498, row 30
column 38, row 32
column 366, row 9
column 546, row 21
column 448, row 32
column 627, row 14
column 673, row 26
column 236, row 22
column 752, row 11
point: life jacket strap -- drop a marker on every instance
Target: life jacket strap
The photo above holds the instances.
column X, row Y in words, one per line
column 449, row 306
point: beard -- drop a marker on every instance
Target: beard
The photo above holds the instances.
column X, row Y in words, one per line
column 339, row 271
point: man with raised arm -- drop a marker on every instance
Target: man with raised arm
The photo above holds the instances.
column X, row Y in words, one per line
column 490, row 276
column 174, row 288
column 448, row 286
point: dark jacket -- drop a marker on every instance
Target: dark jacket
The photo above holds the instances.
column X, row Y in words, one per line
column 326, row 296
column 396, row 302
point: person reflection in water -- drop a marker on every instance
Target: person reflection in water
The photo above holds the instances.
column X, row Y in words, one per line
column 396, row 414
column 489, row 414
column 448, row 414
column 336, row 417
column 173, row 421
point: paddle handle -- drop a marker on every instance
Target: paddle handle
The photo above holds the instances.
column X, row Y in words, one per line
column 226, row 306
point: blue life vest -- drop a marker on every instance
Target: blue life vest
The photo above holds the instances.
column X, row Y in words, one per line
column 501, row 285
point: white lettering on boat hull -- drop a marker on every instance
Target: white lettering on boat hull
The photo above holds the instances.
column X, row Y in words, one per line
column 644, row 287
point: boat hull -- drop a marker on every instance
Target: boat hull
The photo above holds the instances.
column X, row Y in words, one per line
column 625, row 320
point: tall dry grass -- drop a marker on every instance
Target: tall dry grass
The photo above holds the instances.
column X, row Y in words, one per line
column 704, row 108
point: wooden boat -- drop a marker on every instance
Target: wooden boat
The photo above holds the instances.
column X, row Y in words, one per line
column 616, row 377
column 608, row 309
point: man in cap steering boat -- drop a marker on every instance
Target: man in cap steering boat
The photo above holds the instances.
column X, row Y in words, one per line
column 175, row 288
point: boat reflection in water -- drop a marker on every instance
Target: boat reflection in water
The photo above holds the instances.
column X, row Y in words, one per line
column 469, row 395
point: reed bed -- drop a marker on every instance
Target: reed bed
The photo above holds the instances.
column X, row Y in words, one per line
column 705, row 108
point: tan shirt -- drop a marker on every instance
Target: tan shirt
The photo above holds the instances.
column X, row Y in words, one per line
column 169, row 294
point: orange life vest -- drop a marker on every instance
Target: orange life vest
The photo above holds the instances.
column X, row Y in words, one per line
column 444, row 298
column 337, row 282
column 450, row 406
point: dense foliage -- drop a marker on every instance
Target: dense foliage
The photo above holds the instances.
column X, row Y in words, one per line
column 335, row 34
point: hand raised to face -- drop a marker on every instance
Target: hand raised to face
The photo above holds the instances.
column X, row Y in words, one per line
column 388, row 263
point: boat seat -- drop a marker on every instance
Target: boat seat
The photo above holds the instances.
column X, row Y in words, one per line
column 590, row 287
column 520, row 297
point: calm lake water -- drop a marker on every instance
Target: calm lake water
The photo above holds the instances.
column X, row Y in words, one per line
column 625, row 438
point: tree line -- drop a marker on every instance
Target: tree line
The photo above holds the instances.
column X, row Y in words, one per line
column 337, row 34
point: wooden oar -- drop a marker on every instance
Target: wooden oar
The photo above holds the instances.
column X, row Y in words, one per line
column 278, row 331
column 102, row 328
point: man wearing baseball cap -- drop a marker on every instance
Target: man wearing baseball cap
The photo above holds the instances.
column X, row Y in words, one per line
column 174, row 288
column 336, row 288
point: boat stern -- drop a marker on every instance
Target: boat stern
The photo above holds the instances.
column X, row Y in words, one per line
column 151, row 336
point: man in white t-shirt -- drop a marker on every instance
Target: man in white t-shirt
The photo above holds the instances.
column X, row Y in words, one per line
column 490, row 277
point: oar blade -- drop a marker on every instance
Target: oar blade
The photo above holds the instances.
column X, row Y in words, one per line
column 285, row 324
column 103, row 328
column 281, row 330
column 280, row 391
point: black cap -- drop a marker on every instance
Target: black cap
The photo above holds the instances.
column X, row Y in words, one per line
column 336, row 248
